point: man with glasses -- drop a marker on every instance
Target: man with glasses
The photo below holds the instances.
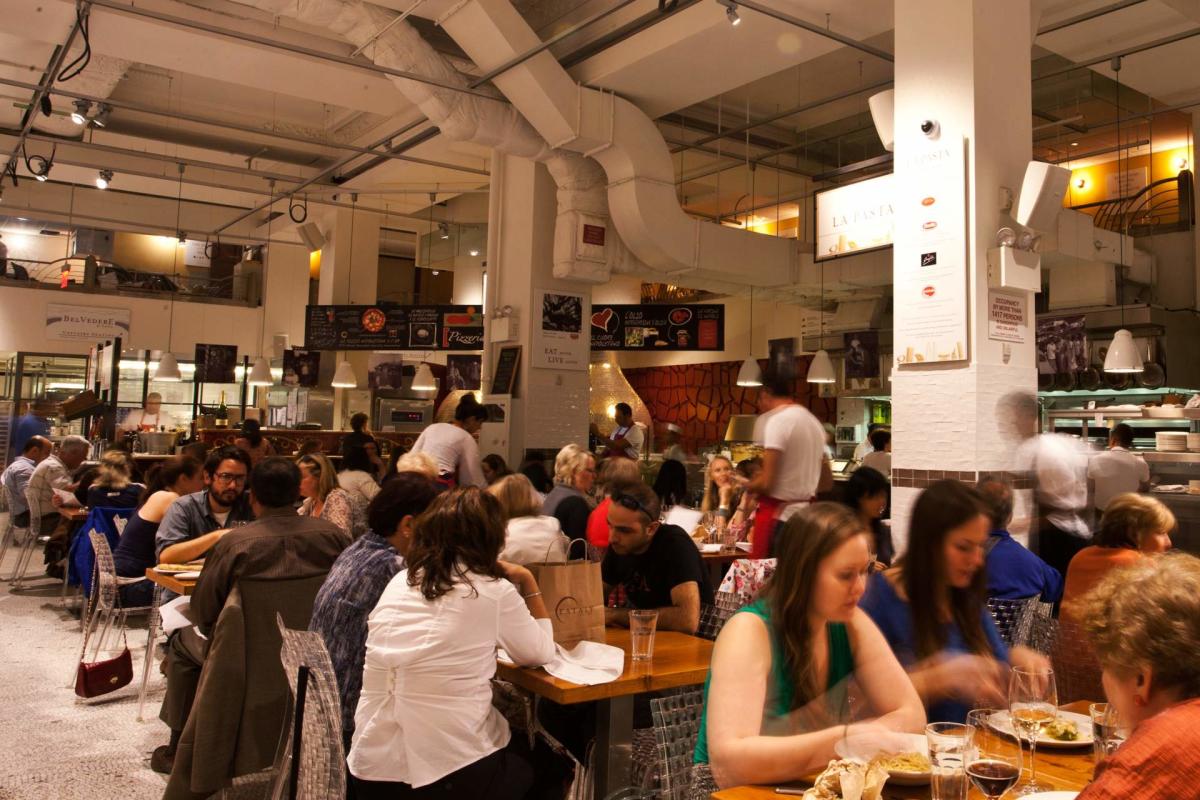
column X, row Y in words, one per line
column 650, row 565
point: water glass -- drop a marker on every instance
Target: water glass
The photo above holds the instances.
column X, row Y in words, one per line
column 950, row 748
column 641, row 630
column 1108, row 730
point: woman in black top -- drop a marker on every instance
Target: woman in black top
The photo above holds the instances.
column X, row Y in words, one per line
column 170, row 480
column 360, row 436
column 867, row 494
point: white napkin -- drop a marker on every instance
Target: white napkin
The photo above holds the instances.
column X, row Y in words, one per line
column 684, row 517
column 174, row 614
column 586, row 664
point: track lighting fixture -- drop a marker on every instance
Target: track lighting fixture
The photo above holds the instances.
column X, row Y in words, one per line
column 100, row 119
column 443, row 230
column 80, row 115
column 104, row 178
column 731, row 12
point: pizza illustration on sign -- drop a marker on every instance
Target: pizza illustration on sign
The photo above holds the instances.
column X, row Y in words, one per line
column 373, row 320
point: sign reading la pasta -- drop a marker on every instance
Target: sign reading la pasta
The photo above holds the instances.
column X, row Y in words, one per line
column 855, row 218
column 655, row 328
column 392, row 327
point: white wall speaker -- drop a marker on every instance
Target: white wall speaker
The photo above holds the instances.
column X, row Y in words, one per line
column 883, row 114
column 281, row 342
column 311, row 235
column 1041, row 195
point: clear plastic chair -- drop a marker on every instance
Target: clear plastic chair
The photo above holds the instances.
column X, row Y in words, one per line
column 676, row 726
column 13, row 535
column 31, row 540
column 322, row 770
column 713, row 617
column 103, row 607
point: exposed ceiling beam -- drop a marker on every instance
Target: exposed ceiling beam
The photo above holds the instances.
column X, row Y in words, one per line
column 817, row 29
column 1127, row 51
column 1086, row 16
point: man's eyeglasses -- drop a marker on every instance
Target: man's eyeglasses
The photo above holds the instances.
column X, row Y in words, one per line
column 229, row 477
column 633, row 504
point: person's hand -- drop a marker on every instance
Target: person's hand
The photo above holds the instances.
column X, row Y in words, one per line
column 57, row 501
column 971, row 678
column 518, row 576
column 726, row 494
column 867, row 739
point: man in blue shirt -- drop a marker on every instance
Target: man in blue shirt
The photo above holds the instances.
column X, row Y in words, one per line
column 25, row 427
column 1014, row 573
column 16, row 477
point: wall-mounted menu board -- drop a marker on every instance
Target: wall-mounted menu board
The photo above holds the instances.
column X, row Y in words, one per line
column 393, row 327
column 508, row 362
column 658, row 327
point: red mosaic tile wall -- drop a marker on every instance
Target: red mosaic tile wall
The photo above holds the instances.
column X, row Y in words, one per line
column 700, row 398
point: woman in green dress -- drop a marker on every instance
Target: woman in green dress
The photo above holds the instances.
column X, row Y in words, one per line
column 779, row 690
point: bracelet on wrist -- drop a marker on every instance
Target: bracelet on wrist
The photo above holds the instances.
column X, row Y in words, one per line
column 531, row 595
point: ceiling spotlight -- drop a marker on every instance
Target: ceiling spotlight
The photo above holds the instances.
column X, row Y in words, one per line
column 443, row 230
column 103, row 179
column 80, row 115
column 1074, row 144
column 182, row 237
column 436, row 272
column 731, row 12
column 474, row 252
column 100, row 120
column 1006, row 237
column 43, row 176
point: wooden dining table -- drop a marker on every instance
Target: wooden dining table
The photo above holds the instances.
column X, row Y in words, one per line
column 678, row 660
column 168, row 581
column 1061, row 769
column 73, row 513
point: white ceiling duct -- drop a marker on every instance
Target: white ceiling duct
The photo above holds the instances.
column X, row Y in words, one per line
column 582, row 198
column 626, row 142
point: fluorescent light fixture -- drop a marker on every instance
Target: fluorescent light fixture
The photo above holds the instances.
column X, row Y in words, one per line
column 821, row 369
column 750, row 374
column 260, row 373
column 168, row 369
column 424, row 381
column 343, row 377
column 65, row 385
column 1123, row 355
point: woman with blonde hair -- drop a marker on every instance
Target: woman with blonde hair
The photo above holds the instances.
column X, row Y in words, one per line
column 1133, row 526
column 1144, row 623
column 725, row 497
column 529, row 536
column 574, row 476
column 777, row 700
column 114, row 486
column 420, row 463
column 323, row 498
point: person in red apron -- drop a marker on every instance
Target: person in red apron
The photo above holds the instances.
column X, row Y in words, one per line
column 795, row 467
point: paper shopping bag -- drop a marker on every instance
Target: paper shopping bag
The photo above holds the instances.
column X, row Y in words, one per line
column 574, row 596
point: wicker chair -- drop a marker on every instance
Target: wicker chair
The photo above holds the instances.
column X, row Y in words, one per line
column 321, row 774
column 1013, row 618
column 13, row 535
column 1075, row 666
column 105, row 600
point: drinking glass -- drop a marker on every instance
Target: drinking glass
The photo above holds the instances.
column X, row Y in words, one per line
column 1032, row 704
column 993, row 766
column 950, row 749
column 641, row 632
column 1108, row 730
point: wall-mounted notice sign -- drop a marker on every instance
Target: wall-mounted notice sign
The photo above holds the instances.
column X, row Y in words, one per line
column 388, row 327
column 655, row 328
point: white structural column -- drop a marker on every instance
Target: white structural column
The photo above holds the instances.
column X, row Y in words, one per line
column 964, row 65
column 350, row 257
column 550, row 405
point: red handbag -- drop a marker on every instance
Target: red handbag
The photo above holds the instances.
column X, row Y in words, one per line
column 96, row 678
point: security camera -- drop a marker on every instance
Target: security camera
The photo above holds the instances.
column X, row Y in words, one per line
column 930, row 128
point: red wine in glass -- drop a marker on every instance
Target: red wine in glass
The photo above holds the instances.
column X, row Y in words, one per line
column 993, row 777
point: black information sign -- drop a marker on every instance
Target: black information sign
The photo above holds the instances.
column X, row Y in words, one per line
column 216, row 363
column 390, row 327
column 504, row 376
column 658, row 327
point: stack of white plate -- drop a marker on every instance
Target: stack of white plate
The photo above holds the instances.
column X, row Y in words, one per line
column 1171, row 442
column 1193, row 442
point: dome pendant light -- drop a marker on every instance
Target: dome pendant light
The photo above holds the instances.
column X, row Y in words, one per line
column 424, row 381
column 1122, row 356
column 343, row 377
column 821, row 368
column 168, row 369
column 260, row 373
column 750, row 375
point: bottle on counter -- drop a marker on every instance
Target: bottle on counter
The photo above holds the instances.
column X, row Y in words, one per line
column 222, row 415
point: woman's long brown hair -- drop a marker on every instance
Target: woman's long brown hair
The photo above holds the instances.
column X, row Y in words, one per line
column 461, row 533
column 943, row 507
column 805, row 541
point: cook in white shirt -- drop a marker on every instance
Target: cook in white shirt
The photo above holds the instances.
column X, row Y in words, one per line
column 147, row 418
column 452, row 444
column 425, row 716
column 1116, row 470
column 627, row 438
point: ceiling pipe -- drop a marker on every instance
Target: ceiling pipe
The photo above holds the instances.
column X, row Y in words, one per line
column 1087, row 16
column 817, row 29
column 1128, row 51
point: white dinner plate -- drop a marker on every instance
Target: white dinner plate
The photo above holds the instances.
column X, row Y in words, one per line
column 710, row 548
column 916, row 744
column 1051, row 796
column 187, row 576
column 1003, row 724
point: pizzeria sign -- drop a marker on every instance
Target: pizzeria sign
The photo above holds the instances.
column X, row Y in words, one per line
column 393, row 327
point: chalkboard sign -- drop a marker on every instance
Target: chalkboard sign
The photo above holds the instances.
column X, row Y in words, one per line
column 504, row 376
column 658, row 327
column 392, row 327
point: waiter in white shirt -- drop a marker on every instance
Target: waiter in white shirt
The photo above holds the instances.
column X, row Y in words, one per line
column 452, row 445
column 627, row 438
column 1116, row 470
column 147, row 418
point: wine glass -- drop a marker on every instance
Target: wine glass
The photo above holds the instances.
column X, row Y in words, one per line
column 1032, row 705
column 992, row 766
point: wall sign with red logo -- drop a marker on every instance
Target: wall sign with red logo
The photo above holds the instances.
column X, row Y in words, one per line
column 393, row 327
column 655, row 328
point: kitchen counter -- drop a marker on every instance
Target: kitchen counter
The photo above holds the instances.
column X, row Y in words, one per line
column 287, row 441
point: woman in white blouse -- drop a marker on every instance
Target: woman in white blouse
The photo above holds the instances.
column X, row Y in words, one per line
column 425, row 724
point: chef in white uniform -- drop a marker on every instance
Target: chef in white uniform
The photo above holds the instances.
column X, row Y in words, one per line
column 147, row 418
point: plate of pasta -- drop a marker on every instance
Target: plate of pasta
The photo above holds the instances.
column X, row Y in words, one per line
column 905, row 757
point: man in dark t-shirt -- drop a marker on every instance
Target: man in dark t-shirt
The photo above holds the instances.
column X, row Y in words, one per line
column 651, row 565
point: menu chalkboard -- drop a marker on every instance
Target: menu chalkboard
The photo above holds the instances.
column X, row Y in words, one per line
column 655, row 327
column 504, row 376
column 391, row 327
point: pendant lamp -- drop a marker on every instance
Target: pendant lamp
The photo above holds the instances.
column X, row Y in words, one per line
column 168, row 369
column 343, row 377
column 260, row 373
column 821, row 368
column 750, row 374
column 1122, row 355
column 424, row 381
